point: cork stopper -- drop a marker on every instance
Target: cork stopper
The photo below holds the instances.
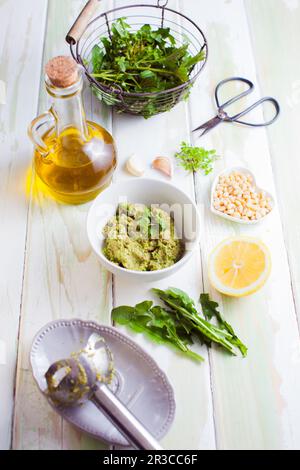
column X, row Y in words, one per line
column 62, row 71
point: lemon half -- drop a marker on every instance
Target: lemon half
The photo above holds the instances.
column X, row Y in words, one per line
column 239, row 266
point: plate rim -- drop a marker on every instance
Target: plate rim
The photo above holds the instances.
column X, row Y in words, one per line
column 129, row 342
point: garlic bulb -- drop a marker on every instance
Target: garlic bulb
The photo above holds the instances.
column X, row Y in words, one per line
column 134, row 167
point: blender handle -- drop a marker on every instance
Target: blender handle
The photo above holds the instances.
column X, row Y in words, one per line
column 34, row 130
column 119, row 415
column 81, row 22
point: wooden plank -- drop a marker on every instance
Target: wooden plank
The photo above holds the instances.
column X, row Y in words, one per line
column 161, row 135
column 63, row 278
column 281, row 79
column 255, row 399
column 20, row 74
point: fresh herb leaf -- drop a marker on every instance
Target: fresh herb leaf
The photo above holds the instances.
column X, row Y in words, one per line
column 180, row 322
column 222, row 334
column 121, row 62
column 147, row 74
column 209, row 307
column 144, row 224
column 162, row 223
column 147, row 60
column 196, row 158
column 120, row 28
column 178, row 294
column 97, row 57
column 206, row 332
column 191, row 61
column 157, row 324
column 210, row 310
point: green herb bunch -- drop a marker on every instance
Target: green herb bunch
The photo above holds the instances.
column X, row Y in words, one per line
column 178, row 324
column 143, row 61
column 193, row 159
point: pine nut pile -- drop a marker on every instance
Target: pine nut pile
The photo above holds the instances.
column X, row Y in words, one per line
column 236, row 195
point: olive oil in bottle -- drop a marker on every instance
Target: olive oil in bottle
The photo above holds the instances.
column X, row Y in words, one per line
column 74, row 159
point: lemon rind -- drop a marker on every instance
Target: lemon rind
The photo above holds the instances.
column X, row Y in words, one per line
column 252, row 288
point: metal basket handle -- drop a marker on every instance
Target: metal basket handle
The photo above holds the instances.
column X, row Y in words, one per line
column 81, row 22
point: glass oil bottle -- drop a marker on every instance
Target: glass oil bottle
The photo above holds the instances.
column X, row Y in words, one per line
column 74, row 159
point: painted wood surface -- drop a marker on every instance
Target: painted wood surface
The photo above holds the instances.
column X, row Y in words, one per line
column 255, row 400
column 19, row 34
column 62, row 278
column 49, row 269
column 283, row 78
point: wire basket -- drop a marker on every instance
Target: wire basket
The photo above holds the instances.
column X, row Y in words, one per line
column 146, row 104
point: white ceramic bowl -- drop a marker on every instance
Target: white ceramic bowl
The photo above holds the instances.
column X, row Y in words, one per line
column 243, row 170
column 144, row 191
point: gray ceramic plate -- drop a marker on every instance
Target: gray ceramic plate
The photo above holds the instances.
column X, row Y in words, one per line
column 139, row 382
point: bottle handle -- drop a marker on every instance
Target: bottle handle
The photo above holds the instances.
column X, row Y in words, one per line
column 34, row 130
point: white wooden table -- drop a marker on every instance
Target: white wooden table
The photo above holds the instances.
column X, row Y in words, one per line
column 47, row 269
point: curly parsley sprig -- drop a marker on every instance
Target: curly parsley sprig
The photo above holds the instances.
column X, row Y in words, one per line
column 193, row 159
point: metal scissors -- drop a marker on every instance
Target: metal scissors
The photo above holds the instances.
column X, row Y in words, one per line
column 223, row 116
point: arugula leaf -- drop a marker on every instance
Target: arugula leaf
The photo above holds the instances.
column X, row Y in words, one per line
column 157, row 324
column 147, row 74
column 144, row 224
column 180, row 322
column 206, row 332
column 120, row 28
column 222, row 334
column 210, row 310
column 147, row 60
column 97, row 57
column 121, row 62
column 190, row 61
column 162, row 223
column 196, row 158
column 151, row 225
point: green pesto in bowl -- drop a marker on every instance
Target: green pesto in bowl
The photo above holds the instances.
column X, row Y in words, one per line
column 142, row 238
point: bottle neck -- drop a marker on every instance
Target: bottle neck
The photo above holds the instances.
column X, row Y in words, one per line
column 67, row 108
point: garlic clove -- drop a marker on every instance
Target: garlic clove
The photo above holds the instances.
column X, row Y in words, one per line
column 134, row 167
column 164, row 165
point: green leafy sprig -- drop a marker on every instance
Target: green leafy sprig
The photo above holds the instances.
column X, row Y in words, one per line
column 193, row 159
column 147, row 60
column 179, row 323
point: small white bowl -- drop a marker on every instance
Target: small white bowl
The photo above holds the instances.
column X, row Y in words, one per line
column 243, row 170
column 145, row 191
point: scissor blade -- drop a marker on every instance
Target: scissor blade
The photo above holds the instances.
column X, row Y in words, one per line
column 209, row 125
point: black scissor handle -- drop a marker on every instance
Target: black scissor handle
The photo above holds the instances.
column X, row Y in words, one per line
column 237, row 117
column 235, row 98
column 267, row 99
